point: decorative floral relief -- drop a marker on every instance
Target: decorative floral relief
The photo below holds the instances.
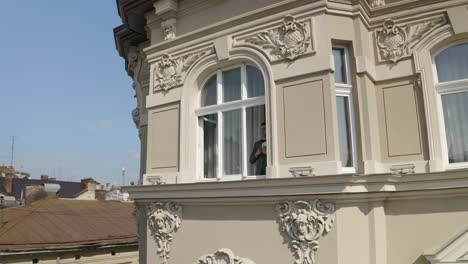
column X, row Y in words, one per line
column 223, row 256
column 394, row 41
column 168, row 72
column 290, row 40
column 304, row 223
column 164, row 220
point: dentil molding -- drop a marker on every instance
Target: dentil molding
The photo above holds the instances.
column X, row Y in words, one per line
column 303, row 223
column 164, row 220
column 169, row 72
column 223, row 256
column 396, row 41
column 289, row 41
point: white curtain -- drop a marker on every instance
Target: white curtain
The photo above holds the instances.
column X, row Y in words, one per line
column 210, row 145
column 344, row 131
column 232, row 85
column 456, row 125
column 452, row 63
column 209, row 92
column 255, row 82
column 232, row 144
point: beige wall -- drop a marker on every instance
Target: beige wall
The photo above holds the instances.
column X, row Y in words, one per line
column 414, row 226
column 365, row 231
column 390, row 102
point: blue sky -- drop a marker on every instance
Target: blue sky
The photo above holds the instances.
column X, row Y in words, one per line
column 64, row 92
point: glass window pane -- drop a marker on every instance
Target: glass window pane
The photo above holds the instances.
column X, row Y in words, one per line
column 209, row 92
column 452, row 63
column 210, row 145
column 456, row 125
column 231, row 85
column 232, row 144
column 256, row 140
column 340, row 65
column 255, row 83
column 344, row 131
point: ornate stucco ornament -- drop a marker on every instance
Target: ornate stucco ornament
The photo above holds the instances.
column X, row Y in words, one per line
column 164, row 220
column 168, row 27
column 169, row 71
column 303, row 223
column 377, row 3
column 289, row 40
column 136, row 116
column 223, row 256
column 394, row 41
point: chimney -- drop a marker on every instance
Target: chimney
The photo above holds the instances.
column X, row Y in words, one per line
column 90, row 184
column 34, row 193
column 44, row 177
column 8, row 184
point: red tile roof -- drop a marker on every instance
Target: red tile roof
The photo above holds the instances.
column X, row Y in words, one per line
column 57, row 222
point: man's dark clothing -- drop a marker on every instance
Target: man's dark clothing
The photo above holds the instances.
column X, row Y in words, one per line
column 260, row 160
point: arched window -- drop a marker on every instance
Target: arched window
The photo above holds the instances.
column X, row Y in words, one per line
column 452, row 85
column 232, row 124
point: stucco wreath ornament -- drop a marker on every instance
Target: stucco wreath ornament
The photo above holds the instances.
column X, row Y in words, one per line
column 303, row 223
column 164, row 220
column 290, row 40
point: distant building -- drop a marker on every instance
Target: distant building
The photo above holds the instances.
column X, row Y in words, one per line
column 69, row 231
column 7, row 171
column 115, row 194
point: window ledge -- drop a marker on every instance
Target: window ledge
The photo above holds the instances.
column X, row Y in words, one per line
column 373, row 185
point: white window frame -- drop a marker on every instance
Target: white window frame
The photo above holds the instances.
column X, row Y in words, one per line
column 218, row 109
column 445, row 88
column 346, row 90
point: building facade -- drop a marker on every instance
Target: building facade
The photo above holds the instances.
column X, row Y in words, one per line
column 326, row 131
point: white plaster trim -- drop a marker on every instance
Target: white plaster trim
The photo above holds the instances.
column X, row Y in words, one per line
column 453, row 251
column 377, row 184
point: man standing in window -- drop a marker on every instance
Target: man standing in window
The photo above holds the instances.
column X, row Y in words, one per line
column 258, row 155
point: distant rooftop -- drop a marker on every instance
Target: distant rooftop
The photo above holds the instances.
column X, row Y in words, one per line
column 67, row 189
column 65, row 223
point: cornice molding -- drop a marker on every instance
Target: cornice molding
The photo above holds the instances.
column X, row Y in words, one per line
column 361, row 186
column 370, row 17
